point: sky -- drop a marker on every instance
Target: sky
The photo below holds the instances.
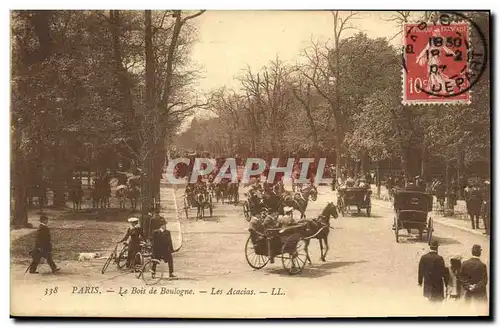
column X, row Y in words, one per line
column 231, row 40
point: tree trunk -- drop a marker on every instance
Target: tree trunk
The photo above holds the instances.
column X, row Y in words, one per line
column 123, row 84
column 59, row 177
column 19, row 174
column 147, row 153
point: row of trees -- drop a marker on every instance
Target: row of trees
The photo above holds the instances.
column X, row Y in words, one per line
column 344, row 97
column 91, row 89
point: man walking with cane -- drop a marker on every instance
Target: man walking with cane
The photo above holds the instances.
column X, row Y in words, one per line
column 43, row 247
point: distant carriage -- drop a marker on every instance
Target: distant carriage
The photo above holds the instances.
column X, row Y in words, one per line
column 412, row 209
column 358, row 196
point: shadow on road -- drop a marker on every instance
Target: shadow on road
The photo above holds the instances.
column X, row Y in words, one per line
column 446, row 241
column 316, row 270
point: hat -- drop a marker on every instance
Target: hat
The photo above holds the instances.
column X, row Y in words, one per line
column 132, row 220
column 476, row 249
column 457, row 258
column 434, row 244
column 162, row 221
column 44, row 218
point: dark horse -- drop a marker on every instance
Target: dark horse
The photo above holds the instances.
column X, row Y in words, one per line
column 320, row 228
column 300, row 199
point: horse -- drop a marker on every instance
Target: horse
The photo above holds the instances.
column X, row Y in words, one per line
column 320, row 228
column 133, row 194
column 121, row 195
column 232, row 192
column 201, row 201
column 300, row 199
column 76, row 196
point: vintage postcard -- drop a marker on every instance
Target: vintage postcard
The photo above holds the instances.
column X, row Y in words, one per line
column 250, row 164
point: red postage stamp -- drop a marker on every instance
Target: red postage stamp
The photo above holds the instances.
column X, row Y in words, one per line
column 436, row 63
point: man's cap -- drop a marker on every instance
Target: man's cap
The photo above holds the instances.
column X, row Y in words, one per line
column 476, row 248
column 434, row 244
column 132, row 220
column 44, row 218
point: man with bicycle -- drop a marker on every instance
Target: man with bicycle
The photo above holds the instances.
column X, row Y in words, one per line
column 162, row 247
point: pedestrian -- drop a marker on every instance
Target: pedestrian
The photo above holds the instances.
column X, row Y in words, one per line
column 486, row 207
column 474, row 202
column 162, row 247
column 474, row 277
column 433, row 273
column 454, row 288
column 43, row 247
column 134, row 232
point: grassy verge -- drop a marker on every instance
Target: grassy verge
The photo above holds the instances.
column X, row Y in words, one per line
column 69, row 240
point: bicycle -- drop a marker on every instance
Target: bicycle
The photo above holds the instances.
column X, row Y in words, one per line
column 138, row 261
column 151, row 277
column 118, row 257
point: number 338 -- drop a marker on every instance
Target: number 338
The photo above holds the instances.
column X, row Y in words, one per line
column 50, row 291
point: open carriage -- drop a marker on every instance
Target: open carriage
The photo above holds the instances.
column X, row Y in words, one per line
column 354, row 196
column 412, row 209
column 287, row 243
column 200, row 200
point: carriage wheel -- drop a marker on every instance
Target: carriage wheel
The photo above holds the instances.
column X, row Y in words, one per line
column 246, row 211
column 137, row 264
column 294, row 254
column 122, row 257
column 396, row 229
column 253, row 259
column 430, row 229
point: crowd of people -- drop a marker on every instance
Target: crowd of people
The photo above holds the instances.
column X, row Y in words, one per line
column 467, row 280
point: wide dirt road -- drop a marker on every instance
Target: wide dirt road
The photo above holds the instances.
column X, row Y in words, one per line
column 366, row 274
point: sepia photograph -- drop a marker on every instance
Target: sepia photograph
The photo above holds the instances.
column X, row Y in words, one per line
column 250, row 163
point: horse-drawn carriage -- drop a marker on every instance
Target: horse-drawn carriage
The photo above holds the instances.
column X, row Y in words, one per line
column 412, row 209
column 287, row 243
column 199, row 198
column 253, row 205
column 354, row 196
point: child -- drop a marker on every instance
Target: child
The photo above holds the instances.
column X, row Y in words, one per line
column 454, row 288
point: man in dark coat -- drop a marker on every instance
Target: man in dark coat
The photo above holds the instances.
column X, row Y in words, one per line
column 474, row 202
column 162, row 247
column 43, row 247
column 474, row 276
column 134, row 232
column 433, row 273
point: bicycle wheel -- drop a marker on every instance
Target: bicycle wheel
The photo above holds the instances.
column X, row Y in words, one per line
column 122, row 257
column 137, row 265
column 111, row 257
column 149, row 276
